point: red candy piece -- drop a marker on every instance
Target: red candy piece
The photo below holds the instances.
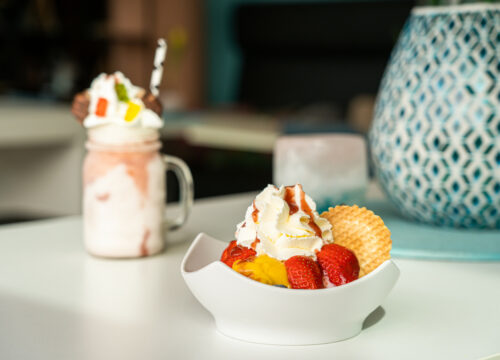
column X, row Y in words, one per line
column 236, row 252
column 339, row 263
column 303, row 273
column 101, row 107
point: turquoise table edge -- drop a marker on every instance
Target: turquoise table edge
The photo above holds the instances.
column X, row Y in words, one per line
column 427, row 242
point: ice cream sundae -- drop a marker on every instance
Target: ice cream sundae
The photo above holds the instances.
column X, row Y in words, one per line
column 283, row 241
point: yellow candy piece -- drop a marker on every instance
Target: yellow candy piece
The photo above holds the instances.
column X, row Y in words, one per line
column 132, row 111
column 264, row 269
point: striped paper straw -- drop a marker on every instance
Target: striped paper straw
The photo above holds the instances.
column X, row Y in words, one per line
column 156, row 76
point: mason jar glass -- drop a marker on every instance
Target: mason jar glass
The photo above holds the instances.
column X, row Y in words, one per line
column 124, row 196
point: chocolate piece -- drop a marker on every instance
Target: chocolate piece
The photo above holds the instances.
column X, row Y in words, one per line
column 152, row 103
column 80, row 106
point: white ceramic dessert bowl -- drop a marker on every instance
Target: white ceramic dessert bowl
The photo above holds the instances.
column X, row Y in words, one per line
column 251, row 311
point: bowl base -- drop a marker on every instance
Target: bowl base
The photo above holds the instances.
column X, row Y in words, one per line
column 287, row 336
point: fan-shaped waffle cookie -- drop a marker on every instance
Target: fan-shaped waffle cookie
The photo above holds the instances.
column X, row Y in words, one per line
column 363, row 232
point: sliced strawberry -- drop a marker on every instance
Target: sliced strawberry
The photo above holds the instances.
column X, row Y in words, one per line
column 339, row 263
column 303, row 273
column 236, row 252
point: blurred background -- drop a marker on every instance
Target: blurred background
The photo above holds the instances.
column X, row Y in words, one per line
column 238, row 74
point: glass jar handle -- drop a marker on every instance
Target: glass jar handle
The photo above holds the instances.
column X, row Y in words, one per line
column 181, row 170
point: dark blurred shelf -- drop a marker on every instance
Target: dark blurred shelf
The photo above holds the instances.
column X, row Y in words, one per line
column 219, row 171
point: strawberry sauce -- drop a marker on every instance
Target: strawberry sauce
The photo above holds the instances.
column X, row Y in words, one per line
column 144, row 248
column 103, row 197
column 98, row 163
column 292, row 204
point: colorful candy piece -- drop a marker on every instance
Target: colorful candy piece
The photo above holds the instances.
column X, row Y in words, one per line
column 132, row 111
column 101, row 107
column 121, row 92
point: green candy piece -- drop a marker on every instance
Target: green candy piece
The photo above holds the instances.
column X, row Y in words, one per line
column 121, row 92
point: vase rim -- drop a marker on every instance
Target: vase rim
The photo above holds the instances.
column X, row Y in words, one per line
column 432, row 10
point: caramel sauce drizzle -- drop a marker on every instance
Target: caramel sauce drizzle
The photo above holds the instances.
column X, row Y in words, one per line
column 290, row 199
column 255, row 213
column 255, row 217
column 254, row 244
column 292, row 204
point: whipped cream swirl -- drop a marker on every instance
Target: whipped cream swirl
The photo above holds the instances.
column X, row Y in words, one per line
column 115, row 101
column 283, row 222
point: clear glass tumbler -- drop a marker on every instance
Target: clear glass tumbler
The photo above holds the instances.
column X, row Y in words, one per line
column 333, row 168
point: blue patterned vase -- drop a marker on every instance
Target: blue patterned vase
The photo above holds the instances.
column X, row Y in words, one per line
column 435, row 138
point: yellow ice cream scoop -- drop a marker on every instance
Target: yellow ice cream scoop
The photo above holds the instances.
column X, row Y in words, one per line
column 264, row 269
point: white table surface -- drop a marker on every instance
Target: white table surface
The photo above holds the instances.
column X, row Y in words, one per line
column 57, row 302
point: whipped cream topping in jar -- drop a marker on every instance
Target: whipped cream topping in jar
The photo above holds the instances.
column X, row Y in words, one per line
column 124, row 178
column 283, row 222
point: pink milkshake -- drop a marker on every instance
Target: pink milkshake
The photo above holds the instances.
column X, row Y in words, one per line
column 124, row 173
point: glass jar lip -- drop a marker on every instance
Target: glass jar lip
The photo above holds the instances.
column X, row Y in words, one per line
column 147, row 146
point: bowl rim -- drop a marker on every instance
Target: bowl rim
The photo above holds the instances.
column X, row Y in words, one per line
column 302, row 292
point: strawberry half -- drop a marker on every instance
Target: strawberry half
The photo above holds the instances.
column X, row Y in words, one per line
column 339, row 263
column 303, row 273
column 236, row 252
